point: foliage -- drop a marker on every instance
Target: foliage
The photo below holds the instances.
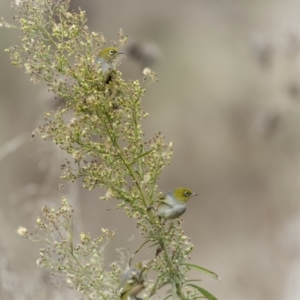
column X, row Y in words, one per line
column 100, row 126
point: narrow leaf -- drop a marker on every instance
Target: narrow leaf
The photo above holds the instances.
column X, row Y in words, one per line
column 174, row 293
column 144, row 154
column 136, row 251
column 198, row 268
column 167, row 297
column 204, row 292
column 153, row 291
column 191, row 280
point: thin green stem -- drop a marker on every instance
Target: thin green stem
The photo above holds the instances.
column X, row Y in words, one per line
column 71, row 252
column 128, row 166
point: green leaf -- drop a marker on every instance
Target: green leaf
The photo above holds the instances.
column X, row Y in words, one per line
column 153, row 291
column 191, row 280
column 174, row 293
column 204, row 292
column 198, row 268
column 136, row 251
column 142, row 155
column 167, row 297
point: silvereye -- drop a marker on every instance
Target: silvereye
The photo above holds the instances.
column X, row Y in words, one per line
column 107, row 57
column 132, row 282
column 173, row 204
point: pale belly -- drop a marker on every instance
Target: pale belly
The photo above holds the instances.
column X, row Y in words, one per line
column 167, row 212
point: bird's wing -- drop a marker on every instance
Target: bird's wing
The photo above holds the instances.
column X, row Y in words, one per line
column 163, row 201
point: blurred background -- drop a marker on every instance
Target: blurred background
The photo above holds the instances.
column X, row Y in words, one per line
column 228, row 97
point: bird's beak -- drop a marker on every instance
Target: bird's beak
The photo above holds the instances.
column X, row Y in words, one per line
column 120, row 52
column 194, row 194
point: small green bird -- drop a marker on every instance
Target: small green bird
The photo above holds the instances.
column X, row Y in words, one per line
column 132, row 282
column 107, row 57
column 173, row 204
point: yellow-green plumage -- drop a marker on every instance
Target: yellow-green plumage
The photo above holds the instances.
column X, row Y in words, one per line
column 107, row 57
column 109, row 53
column 173, row 205
column 132, row 282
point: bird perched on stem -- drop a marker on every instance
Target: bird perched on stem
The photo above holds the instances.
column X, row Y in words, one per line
column 107, row 58
column 173, row 204
column 132, row 282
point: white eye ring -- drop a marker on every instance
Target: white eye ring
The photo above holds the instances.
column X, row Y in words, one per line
column 111, row 52
column 187, row 194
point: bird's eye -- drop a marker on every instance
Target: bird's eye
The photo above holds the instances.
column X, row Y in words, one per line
column 187, row 193
column 111, row 52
